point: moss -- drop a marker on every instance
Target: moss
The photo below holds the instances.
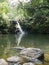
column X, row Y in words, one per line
column 46, row 57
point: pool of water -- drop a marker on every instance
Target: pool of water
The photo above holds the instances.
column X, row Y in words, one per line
column 27, row 40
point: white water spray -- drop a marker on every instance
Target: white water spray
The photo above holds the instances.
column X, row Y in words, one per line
column 19, row 27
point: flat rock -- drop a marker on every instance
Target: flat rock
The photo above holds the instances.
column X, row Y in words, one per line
column 29, row 63
column 3, row 62
column 32, row 53
column 14, row 59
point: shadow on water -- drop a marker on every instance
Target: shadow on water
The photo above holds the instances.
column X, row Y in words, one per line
column 35, row 41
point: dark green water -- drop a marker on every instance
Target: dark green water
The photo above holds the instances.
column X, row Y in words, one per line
column 35, row 41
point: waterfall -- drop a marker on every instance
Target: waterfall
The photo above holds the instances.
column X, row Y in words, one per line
column 20, row 35
column 19, row 27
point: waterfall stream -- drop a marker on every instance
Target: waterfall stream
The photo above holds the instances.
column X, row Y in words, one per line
column 21, row 34
column 19, row 27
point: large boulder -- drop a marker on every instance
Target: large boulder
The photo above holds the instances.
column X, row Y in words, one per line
column 3, row 62
column 31, row 54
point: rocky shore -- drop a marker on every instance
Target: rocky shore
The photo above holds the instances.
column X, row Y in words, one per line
column 27, row 56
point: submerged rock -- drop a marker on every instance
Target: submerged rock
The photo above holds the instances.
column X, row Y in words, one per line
column 29, row 63
column 36, row 61
column 14, row 59
column 32, row 53
column 17, row 48
column 3, row 62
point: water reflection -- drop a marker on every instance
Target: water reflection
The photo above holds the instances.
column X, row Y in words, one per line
column 38, row 41
column 19, row 38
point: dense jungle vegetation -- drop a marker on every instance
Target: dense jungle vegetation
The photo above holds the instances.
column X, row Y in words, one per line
column 33, row 16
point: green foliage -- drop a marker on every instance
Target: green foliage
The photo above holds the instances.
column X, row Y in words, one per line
column 3, row 11
column 3, row 8
column 36, row 12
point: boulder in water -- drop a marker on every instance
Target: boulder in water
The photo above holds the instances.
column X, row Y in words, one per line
column 32, row 53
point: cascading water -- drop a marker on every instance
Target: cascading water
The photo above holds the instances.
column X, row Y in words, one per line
column 20, row 36
column 19, row 27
